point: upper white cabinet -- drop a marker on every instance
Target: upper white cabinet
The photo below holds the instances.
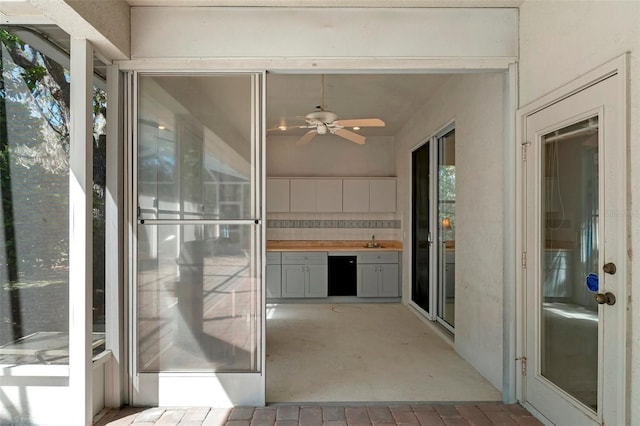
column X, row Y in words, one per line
column 277, row 195
column 369, row 195
column 303, row 195
column 316, row 195
column 331, row 195
column 382, row 195
column 355, row 195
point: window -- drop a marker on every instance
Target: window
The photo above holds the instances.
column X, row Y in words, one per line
column 34, row 176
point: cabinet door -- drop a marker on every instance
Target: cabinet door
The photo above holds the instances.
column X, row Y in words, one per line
column 274, row 281
column 293, row 280
column 277, row 195
column 317, row 281
column 382, row 195
column 355, row 195
column 388, row 281
column 329, row 195
column 303, row 195
column 368, row 280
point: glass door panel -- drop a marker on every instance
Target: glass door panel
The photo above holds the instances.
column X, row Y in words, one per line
column 198, row 308
column 422, row 240
column 570, row 213
column 446, row 227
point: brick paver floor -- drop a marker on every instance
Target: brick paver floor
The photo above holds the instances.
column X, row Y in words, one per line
column 325, row 415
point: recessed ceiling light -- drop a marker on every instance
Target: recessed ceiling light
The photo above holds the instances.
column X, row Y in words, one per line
column 282, row 127
column 161, row 127
column 356, row 128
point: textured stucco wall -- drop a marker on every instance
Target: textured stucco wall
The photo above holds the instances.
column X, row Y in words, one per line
column 560, row 41
column 475, row 102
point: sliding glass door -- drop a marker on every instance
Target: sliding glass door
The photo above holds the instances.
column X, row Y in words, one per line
column 446, row 225
column 433, row 226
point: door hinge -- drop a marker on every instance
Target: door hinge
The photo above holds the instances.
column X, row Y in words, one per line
column 524, row 150
column 524, row 260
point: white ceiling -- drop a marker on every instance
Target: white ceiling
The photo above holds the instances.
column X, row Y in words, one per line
column 392, row 97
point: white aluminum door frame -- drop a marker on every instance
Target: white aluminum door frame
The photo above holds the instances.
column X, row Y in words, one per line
column 224, row 389
column 615, row 398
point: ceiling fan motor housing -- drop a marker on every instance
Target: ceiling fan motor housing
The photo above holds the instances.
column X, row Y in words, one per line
column 326, row 117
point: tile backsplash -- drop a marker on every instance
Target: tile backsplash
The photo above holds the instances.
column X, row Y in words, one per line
column 334, row 226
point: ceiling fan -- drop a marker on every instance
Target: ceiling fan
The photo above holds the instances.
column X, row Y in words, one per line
column 322, row 122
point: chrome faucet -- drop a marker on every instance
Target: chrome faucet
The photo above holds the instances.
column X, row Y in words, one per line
column 373, row 243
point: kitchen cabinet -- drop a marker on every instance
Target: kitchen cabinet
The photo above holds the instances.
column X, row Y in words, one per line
column 355, row 195
column 274, row 275
column 331, row 195
column 369, row 195
column 382, row 195
column 328, row 195
column 277, row 195
column 378, row 274
column 315, row 195
column 304, row 274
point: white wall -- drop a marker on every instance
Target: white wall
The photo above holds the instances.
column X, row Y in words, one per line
column 585, row 35
column 328, row 155
column 166, row 32
column 475, row 102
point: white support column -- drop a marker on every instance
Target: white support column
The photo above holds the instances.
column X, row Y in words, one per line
column 81, row 233
column 114, row 206
column 511, row 230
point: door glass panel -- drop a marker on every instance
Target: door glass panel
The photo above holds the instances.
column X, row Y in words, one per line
column 446, row 227
column 197, row 301
column 194, row 147
column 570, row 213
column 198, row 295
column 421, row 237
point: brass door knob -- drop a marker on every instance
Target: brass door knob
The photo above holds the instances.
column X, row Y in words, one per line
column 608, row 298
column 609, row 268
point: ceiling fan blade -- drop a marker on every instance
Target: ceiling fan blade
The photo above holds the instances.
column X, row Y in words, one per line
column 348, row 134
column 361, row 122
column 307, row 137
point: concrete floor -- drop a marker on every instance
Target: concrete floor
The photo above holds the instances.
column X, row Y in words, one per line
column 363, row 352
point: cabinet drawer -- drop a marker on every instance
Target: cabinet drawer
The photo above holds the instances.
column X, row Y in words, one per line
column 273, row 258
column 378, row 257
column 304, row 258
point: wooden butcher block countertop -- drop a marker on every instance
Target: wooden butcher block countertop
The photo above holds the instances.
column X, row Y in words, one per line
column 331, row 245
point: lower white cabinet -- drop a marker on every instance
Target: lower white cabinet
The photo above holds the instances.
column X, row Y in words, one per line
column 274, row 275
column 378, row 274
column 304, row 274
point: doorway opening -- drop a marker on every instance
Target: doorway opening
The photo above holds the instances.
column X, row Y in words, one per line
column 351, row 349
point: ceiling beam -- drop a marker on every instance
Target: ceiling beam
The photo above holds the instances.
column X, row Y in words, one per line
column 106, row 24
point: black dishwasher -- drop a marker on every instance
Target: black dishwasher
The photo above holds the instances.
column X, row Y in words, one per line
column 343, row 275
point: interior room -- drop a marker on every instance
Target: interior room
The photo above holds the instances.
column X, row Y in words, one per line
column 344, row 342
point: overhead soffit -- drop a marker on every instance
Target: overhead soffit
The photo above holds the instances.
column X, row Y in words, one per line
column 326, row 3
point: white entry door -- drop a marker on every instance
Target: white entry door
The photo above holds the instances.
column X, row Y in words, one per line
column 197, row 323
column 575, row 256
